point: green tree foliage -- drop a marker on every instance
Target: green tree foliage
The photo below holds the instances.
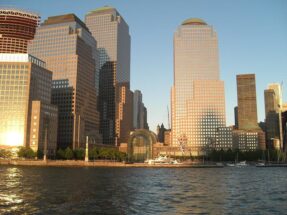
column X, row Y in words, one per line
column 60, row 154
column 229, row 155
column 79, row 154
column 69, row 153
column 5, row 153
column 94, row 153
column 107, row 154
column 26, row 153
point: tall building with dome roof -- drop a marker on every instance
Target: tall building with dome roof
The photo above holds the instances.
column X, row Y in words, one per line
column 197, row 100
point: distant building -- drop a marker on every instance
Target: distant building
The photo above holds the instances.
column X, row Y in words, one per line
column 124, row 116
column 167, row 137
column 160, row 133
column 249, row 135
column 69, row 50
column 284, row 130
column 273, row 108
column 236, row 117
column 111, row 32
column 197, row 100
column 271, row 117
column 17, row 28
column 139, row 111
column 245, row 141
column 146, row 126
column 247, row 106
column 223, row 139
column 25, row 109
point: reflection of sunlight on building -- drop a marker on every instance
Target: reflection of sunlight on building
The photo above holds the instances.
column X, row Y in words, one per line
column 14, row 138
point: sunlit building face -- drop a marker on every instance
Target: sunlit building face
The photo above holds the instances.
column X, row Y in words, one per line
column 66, row 45
column 14, row 93
column 198, row 103
column 23, row 79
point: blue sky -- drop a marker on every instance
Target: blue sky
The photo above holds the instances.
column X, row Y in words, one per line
column 252, row 38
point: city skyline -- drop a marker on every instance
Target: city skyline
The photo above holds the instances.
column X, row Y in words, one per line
column 244, row 43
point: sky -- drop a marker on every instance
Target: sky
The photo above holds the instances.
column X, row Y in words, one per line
column 252, row 37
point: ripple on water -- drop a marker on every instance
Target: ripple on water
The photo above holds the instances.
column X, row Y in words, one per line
column 37, row 190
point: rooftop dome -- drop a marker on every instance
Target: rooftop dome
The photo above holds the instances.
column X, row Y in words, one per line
column 194, row 21
column 101, row 9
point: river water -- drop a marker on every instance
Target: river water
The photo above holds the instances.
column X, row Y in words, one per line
column 230, row 190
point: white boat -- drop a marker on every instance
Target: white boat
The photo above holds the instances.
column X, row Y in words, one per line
column 161, row 159
column 260, row 164
column 230, row 164
column 241, row 164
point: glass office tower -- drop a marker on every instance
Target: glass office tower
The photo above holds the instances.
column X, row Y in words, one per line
column 115, row 98
column 69, row 50
column 24, row 82
column 198, row 101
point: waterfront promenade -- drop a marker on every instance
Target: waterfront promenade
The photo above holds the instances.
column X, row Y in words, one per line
column 100, row 163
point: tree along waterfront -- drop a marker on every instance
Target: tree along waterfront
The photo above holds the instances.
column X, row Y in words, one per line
column 95, row 153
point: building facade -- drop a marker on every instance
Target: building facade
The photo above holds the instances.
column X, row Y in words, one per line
column 236, row 117
column 273, row 114
column 113, row 45
column 25, row 82
column 245, row 141
column 124, row 113
column 197, row 101
column 271, row 117
column 69, row 50
column 246, row 100
column 139, row 110
column 224, row 139
column 248, row 136
column 17, row 28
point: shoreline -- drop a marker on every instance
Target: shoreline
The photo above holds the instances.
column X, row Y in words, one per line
column 115, row 164
column 81, row 163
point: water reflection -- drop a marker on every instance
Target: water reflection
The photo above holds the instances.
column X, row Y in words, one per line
column 36, row 190
column 10, row 183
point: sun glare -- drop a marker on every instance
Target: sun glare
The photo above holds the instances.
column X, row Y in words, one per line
column 14, row 138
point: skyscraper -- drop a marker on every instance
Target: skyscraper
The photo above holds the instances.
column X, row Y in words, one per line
column 247, row 115
column 25, row 103
column 113, row 44
column 69, row 50
column 17, row 28
column 139, row 110
column 247, row 106
column 198, row 101
column 236, row 117
column 273, row 107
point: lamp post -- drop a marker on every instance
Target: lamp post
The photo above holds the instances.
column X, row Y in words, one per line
column 46, row 139
column 87, row 149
